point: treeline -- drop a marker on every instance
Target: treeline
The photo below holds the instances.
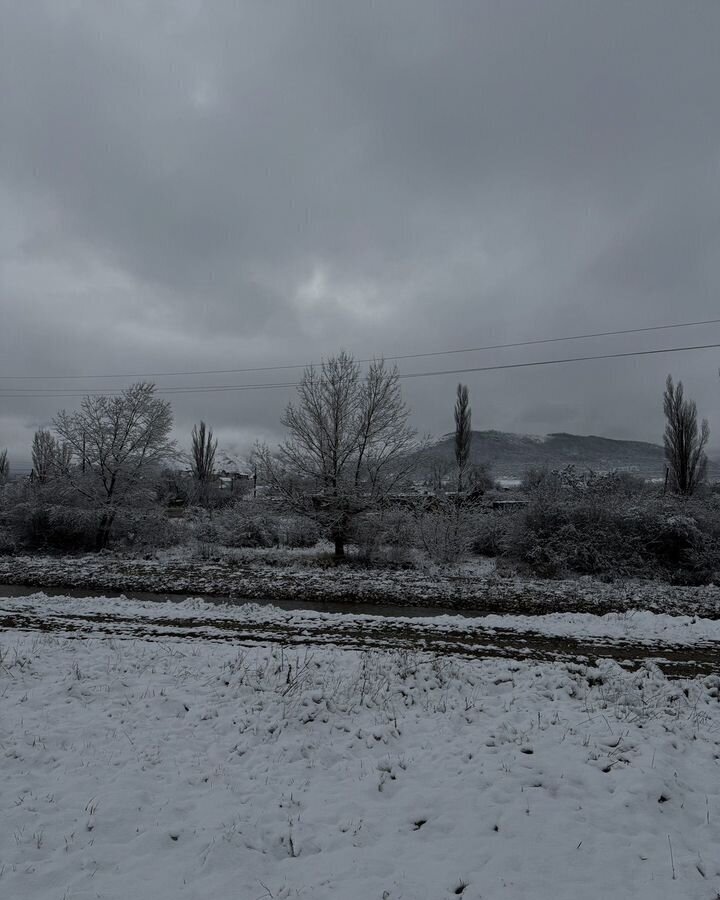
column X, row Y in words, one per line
column 352, row 472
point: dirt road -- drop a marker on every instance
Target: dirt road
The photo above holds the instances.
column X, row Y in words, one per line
column 368, row 634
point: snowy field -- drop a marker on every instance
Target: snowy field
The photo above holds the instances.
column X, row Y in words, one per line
column 167, row 768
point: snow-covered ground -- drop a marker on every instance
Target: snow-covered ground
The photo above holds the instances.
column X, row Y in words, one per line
column 169, row 768
column 634, row 626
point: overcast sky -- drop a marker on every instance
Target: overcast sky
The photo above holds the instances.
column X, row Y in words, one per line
column 188, row 185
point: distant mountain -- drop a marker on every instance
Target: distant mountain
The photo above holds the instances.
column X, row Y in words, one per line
column 510, row 455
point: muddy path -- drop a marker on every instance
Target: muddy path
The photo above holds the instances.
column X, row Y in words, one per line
column 476, row 643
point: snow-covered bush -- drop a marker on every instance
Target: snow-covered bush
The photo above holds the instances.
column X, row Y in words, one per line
column 605, row 531
column 51, row 516
column 447, row 531
column 297, row 532
column 492, row 533
column 247, row 524
column 36, row 524
column 231, row 528
column 386, row 536
column 149, row 529
column 540, row 477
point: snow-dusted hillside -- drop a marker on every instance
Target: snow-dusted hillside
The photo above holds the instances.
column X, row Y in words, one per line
column 511, row 454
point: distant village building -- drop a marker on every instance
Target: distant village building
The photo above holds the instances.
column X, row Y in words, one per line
column 230, row 481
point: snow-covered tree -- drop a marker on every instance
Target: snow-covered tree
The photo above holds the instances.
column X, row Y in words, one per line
column 203, row 450
column 463, row 433
column 117, row 443
column 684, row 440
column 349, row 444
column 50, row 458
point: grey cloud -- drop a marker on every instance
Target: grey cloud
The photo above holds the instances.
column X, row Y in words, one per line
column 189, row 186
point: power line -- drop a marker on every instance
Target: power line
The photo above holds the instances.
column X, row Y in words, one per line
column 224, row 388
column 70, row 392
column 572, row 359
column 424, row 355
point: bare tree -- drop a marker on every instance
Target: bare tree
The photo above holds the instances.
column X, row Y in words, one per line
column 684, row 440
column 4, row 467
column 203, row 452
column 349, row 444
column 47, row 456
column 480, row 478
column 463, row 433
column 438, row 469
column 63, row 458
column 119, row 442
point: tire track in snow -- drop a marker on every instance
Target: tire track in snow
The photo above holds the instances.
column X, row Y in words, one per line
column 673, row 659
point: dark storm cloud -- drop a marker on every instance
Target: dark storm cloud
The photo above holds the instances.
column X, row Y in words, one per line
column 189, row 186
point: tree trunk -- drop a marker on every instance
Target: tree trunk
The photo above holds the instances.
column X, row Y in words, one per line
column 103, row 533
column 339, row 545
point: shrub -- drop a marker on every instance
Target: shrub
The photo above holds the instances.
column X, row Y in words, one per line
column 446, row 533
column 386, row 536
column 612, row 535
column 536, row 477
column 297, row 532
column 35, row 525
column 491, row 534
column 251, row 525
column 7, row 541
column 150, row 529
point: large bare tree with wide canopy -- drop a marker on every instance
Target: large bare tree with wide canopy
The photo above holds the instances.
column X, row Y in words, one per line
column 117, row 445
column 349, row 444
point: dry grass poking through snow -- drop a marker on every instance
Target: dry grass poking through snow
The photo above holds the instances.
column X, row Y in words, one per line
column 165, row 770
